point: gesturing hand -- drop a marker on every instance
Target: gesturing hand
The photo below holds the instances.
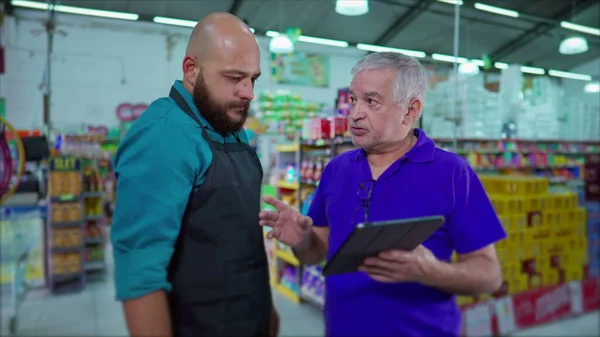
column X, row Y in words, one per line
column 289, row 226
column 400, row 266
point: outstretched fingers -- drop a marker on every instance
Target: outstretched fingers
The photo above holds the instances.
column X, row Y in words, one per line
column 275, row 233
column 268, row 215
column 278, row 204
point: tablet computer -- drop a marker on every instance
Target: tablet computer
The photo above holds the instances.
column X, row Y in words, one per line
column 368, row 240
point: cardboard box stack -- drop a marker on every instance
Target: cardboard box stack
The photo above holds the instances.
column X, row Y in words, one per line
column 477, row 109
column 546, row 243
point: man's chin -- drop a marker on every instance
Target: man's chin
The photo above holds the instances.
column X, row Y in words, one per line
column 237, row 117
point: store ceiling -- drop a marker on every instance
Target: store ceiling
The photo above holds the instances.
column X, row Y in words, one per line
column 425, row 25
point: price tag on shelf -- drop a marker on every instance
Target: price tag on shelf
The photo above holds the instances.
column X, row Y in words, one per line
column 505, row 315
column 576, row 294
column 478, row 320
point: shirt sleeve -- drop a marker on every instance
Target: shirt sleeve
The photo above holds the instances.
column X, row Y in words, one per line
column 155, row 176
column 473, row 224
column 317, row 210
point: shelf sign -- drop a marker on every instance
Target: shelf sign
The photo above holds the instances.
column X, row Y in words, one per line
column 64, row 164
column 128, row 112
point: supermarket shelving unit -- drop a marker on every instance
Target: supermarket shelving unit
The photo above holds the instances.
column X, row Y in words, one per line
column 94, row 233
column 305, row 283
column 65, row 253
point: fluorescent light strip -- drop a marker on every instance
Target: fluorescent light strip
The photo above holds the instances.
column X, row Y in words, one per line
column 174, row 22
column 449, row 58
column 315, row 40
column 326, row 42
column 533, row 70
column 501, row 65
column 573, row 76
column 452, row 2
column 580, row 28
column 373, row 48
column 496, row 10
column 178, row 22
column 479, row 63
column 75, row 10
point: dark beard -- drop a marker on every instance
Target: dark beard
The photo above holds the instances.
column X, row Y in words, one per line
column 216, row 113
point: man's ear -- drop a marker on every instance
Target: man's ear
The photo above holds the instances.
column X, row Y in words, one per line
column 414, row 112
column 190, row 69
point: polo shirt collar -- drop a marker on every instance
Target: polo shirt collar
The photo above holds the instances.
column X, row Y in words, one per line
column 421, row 152
column 190, row 101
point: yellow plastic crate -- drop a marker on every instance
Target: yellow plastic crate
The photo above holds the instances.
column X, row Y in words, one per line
column 518, row 284
column 515, row 205
column 505, row 221
column 518, row 223
column 464, row 300
column 550, row 277
column 574, row 273
column 580, row 216
column 548, row 218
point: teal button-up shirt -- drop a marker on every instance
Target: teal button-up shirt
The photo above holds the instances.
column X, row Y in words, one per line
column 160, row 161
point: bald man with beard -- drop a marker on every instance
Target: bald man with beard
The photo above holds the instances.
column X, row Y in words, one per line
column 189, row 253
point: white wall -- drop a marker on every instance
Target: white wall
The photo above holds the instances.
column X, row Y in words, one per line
column 99, row 64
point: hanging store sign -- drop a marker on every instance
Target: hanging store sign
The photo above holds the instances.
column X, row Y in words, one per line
column 128, row 112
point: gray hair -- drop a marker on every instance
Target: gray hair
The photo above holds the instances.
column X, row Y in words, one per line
column 411, row 79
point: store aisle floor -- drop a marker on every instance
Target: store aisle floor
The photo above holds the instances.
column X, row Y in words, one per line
column 94, row 312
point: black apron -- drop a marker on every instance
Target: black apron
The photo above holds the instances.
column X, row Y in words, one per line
column 219, row 270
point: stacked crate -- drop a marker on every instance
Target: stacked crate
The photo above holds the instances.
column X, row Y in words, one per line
column 546, row 243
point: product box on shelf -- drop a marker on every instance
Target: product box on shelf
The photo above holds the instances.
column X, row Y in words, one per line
column 546, row 243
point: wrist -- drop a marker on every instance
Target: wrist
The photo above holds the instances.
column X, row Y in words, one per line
column 308, row 234
column 430, row 271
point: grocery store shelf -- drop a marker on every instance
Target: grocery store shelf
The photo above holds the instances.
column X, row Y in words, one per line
column 288, row 293
column 287, row 148
column 288, row 185
column 94, row 265
column 313, row 299
column 287, row 257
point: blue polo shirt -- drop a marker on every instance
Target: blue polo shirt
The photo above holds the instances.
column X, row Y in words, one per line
column 160, row 161
column 427, row 181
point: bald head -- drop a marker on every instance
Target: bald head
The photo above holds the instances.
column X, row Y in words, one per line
column 221, row 65
column 219, row 33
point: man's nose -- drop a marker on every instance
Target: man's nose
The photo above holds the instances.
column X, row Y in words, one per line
column 246, row 91
column 356, row 112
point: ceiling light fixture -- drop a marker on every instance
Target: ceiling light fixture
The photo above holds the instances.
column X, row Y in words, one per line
column 325, row 42
column 592, row 88
column 452, row 2
column 178, row 22
column 352, row 7
column 449, row 58
column 573, row 45
column 580, row 28
column 377, row 49
column 533, row 70
column 174, row 22
column 469, row 69
column 281, row 44
column 75, row 10
column 501, row 65
column 496, row 10
column 311, row 39
column 573, row 76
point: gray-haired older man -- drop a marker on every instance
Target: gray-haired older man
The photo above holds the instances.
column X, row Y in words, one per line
column 398, row 172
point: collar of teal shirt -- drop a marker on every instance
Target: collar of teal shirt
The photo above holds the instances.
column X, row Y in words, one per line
column 190, row 101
